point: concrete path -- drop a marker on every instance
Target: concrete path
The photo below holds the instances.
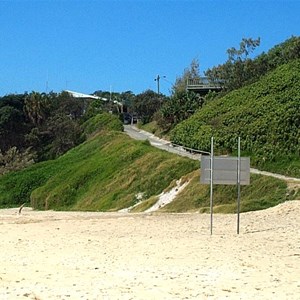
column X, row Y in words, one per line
column 139, row 134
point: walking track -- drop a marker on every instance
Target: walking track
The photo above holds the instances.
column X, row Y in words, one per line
column 139, row 134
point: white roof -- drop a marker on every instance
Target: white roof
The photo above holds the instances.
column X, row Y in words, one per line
column 81, row 95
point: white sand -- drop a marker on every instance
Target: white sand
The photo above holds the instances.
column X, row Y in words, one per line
column 167, row 197
column 70, row 255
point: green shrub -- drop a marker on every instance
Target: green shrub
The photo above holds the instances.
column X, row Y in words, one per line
column 265, row 115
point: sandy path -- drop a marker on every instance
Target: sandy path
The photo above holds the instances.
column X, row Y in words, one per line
column 70, row 255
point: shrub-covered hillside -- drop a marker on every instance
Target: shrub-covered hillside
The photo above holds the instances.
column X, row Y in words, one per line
column 266, row 115
column 105, row 173
column 110, row 171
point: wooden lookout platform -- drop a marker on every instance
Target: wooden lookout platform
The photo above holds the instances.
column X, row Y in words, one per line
column 202, row 86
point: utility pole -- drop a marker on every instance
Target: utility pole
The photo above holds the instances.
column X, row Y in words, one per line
column 157, row 79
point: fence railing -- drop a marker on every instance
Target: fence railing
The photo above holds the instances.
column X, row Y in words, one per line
column 202, row 82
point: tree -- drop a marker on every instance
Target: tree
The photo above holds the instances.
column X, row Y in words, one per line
column 64, row 133
column 68, row 105
column 247, row 46
column 94, row 107
column 238, row 69
column 14, row 160
column 36, row 107
column 12, row 127
column 180, row 107
column 192, row 72
column 47, row 123
column 127, row 98
column 146, row 104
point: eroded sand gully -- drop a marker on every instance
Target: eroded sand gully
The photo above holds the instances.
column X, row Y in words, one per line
column 75, row 255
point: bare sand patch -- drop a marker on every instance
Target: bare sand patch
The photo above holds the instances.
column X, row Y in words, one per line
column 76, row 255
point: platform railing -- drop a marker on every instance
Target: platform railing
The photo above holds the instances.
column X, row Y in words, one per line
column 203, row 82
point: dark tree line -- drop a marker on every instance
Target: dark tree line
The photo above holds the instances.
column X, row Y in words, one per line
column 47, row 124
column 39, row 126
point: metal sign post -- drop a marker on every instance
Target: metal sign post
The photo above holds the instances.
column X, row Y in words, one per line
column 225, row 170
column 211, row 183
column 238, row 184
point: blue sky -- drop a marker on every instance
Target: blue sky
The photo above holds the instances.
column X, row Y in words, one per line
column 85, row 46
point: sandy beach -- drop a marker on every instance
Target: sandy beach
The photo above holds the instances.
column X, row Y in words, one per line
column 77, row 255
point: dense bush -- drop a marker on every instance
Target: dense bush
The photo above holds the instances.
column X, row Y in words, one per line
column 266, row 115
column 146, row 104
column 13, row 160
column 178, row 108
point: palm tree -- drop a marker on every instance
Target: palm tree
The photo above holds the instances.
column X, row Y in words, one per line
column 35, row 107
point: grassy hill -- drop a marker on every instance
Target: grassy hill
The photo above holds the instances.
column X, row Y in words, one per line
column 104, row 173
column 266, row 115
column 110, row 172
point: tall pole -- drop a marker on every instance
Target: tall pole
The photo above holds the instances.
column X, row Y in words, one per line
column 211, row 183
column 157, row 79
column 238, row 184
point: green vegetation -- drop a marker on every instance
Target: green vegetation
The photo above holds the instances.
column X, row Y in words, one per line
column 147, row 104
column 109, row 172
column 263, row 192
column 180, row 107
column 104, row 173
column 153, row 128
column 240, row 70
column 13, row 160
column 264, row 114
column 44, row 125
column 99, row 122
column 85, row 162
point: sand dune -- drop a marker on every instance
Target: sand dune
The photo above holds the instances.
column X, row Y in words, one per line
column 75, row 255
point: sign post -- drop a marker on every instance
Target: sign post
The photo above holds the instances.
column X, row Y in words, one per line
column 238, row 184
column 225, row 170
column 211, row 183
